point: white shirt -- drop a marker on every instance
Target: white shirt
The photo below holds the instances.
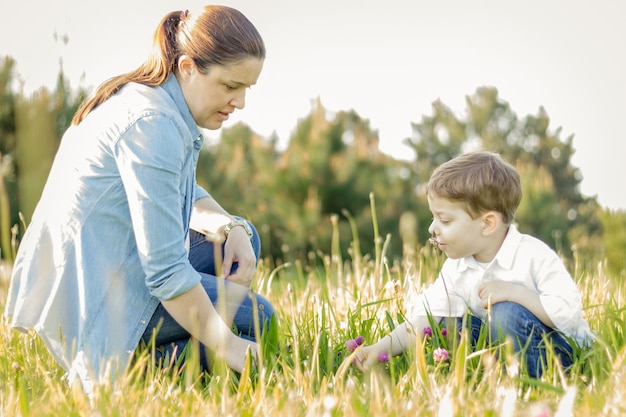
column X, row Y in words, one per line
column 522, row 260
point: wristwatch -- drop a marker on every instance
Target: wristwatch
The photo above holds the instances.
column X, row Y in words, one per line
column 236, row 223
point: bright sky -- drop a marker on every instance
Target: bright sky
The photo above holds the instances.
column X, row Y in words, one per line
column 386, row 59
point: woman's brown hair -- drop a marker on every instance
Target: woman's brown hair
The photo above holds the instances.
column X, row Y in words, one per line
column 219, row 35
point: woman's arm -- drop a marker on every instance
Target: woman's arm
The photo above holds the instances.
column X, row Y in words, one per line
column 194, row 311
column 210, row 219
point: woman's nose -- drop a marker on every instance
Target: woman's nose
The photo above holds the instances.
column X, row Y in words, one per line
column 239, row 101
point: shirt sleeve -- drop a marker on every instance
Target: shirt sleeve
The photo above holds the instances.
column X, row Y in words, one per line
column 201, row 193
column 440, row 299
column 558, row 293
column 151, row 156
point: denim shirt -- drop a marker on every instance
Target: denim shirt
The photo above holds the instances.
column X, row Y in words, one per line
column 107, row 240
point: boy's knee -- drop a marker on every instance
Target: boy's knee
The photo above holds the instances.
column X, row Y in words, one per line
column 506, row 319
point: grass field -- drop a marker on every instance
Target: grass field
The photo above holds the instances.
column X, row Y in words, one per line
column 304, row 371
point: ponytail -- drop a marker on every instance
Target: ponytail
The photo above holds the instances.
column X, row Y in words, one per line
column 219, row 35
column 153, row 72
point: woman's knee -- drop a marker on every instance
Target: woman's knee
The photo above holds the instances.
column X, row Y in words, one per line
column 259, row 306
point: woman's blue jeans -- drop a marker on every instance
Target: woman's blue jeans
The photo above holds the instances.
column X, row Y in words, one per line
column 528, row 334
column 171, row 339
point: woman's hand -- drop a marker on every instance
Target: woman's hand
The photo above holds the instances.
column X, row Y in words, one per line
column 237, row 352
column 210, row 218
column 239, row 249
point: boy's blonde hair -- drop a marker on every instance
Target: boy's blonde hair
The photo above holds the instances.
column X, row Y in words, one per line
column 482, row 180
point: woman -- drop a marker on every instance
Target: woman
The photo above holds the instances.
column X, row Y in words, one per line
column 121, row 242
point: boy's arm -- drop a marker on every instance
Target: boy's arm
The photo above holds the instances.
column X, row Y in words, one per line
column 494, row 292
column 396, row 342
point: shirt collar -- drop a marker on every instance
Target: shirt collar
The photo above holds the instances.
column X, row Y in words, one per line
column 505, row 255
column 172, row 88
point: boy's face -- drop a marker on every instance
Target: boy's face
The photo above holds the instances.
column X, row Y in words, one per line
column 454, row 230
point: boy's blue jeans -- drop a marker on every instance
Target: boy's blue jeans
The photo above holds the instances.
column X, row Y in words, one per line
column 171, row 339
column 528, row 334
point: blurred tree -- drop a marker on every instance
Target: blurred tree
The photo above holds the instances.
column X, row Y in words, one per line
column 614, row 225
column 30, row 131
column 240, row 172
column 328, row 168
column 36, row 143
column 553, row 208
column 8, row 184
column 331, row 167
column 7, row 106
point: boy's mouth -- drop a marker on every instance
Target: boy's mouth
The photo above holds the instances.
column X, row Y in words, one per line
column 435, row 242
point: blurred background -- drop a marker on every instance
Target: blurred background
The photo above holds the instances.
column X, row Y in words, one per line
column 357, row 103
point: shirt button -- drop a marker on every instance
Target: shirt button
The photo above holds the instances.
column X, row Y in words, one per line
column 143, row 322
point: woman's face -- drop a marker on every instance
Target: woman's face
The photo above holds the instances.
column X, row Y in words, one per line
column 214, row 95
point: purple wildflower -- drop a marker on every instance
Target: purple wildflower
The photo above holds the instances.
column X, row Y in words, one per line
column 440, row 354
column 444, row 331
column 383, row 357
column 351, row 345
column 428, row 331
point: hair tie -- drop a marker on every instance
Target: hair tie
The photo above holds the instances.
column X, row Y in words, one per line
column 184, row 14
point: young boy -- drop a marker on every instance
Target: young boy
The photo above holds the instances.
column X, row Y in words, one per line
column 509, row 281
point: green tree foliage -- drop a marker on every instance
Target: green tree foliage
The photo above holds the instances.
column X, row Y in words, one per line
column 240, row 172
column 8, row 185
column 614, row 223
column 30, row 131
column 553, row 207
column 330, row 168
column 36, row 143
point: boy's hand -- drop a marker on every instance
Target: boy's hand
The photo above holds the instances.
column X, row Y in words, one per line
column 366, row 356
column 494, row 292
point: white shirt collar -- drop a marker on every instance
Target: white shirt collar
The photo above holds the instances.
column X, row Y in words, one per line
column 505, row 255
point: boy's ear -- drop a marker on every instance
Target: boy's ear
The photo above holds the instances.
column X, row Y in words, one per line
column 491, row 221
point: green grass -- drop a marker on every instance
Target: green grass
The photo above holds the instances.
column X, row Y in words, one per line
column 304, row 371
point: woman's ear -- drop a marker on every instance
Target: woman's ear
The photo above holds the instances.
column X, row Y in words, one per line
column 186, row 66
column 491, row 221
